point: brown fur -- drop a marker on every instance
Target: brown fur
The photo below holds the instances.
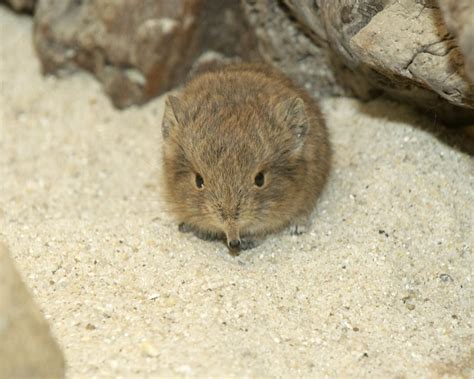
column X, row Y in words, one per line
column 228, row 125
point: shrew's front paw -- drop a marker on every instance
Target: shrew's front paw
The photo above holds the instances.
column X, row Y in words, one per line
column 298, row 229
column 248, row 243
column 184, row 228
column 299, row 226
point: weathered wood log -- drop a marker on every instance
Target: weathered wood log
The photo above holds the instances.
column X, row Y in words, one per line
column 138, row 49
column 366, row 47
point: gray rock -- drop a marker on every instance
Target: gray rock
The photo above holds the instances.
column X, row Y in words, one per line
column 138, row 49
column 27, row 349
column 367, row 48
column 302, row 55
column 21, row 5
column 419, row 49
column 459, row 17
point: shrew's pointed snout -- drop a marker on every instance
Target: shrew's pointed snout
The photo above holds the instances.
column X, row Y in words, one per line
column 234, row 244
column 232, row 233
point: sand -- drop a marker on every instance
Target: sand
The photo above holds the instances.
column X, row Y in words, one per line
column 380, row 286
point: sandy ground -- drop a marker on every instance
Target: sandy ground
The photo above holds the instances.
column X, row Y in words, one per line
column 381, row 286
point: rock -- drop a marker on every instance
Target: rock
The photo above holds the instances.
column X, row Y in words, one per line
column 418, row 58
column 281, row 42
column 27, row 349
column 419, row 49
column 400, row 48
column 138, row 49
column 21, row 5
column 459, row 17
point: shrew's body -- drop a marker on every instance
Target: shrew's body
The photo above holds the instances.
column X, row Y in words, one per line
column 246, row 153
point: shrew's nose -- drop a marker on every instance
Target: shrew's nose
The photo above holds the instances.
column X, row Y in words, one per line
column 234, row 244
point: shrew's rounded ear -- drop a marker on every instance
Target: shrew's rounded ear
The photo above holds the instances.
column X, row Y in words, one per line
column 291, row 112
column 173, row 115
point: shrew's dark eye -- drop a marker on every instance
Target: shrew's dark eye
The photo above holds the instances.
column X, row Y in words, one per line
column 199, row 181
column 259, row 179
